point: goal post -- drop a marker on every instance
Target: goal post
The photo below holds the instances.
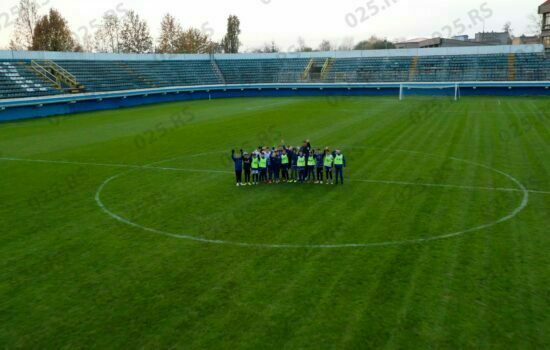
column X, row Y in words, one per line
column 451, row 90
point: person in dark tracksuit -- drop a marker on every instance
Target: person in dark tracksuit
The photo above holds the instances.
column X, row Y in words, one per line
column 306, row 148
column 271, row 167
column 294, row 169
column 238, row 160
column 293, row 161
column 339, row 165
column 319, row 158
column 276, row 160
column 247, row 167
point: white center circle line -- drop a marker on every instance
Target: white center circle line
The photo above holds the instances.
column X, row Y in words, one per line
column 520, row 188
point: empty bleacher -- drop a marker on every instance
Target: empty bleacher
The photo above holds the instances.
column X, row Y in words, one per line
column 253, row 71
column 532, row 67
column 130, row 75
column 370, row 69
column 527, row 67
column 17, row 79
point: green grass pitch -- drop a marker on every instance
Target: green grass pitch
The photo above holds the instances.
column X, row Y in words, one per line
column 124, row 228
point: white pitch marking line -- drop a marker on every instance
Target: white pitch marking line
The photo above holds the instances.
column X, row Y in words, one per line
column 511, row 215
column 113, row 165
column 265, row 106
column 404, row 183
column 151, row 167
column 538, row 192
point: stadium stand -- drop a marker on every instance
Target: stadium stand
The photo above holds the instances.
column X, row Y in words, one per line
column 251, row 71
column 358, row 70
column 17, row 78
column 129, row 75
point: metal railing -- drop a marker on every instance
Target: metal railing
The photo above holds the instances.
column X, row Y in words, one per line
column 55, row 74
column 46, row 75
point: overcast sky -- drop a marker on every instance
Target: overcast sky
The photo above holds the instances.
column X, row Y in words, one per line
column 285, row 20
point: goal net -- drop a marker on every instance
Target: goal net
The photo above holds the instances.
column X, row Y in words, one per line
column 444, row 90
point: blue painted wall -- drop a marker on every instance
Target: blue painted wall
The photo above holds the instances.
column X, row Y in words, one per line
column 52, row 106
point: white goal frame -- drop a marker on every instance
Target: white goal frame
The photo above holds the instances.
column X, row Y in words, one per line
column 403, row 87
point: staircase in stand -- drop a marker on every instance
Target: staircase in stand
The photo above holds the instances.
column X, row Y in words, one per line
column 412, row 70
column 217, row 70
column 60, row 78
column 326, row 68
column 314, row 69
column 305, row 75
column 511, row 67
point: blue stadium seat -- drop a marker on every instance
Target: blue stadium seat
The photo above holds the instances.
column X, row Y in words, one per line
column 17, row 79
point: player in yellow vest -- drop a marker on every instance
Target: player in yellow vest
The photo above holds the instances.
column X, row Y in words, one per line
column 328, row 161
column 301, row 163
column 339, row 165
column 311, row 166
column 263, row 167
column 255, row 168
column 285, row 162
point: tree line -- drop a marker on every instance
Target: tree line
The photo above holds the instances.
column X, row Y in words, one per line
column 347, row 44
column 125, row 31
column 121, row 31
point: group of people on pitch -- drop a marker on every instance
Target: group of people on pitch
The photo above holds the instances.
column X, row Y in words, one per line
column 289, row 164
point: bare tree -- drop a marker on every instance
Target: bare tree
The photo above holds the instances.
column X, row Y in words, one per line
column 508, row 28
column 535, row 24
column 27, row 17
column 107, row 36
column 347, row 44
column 268, row 48
column 134, row 34
column 170, row 34
column 302, row 46
column 325, row 46
column 88, row 43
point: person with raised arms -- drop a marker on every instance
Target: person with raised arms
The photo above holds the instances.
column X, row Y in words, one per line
column 270, row 165
column 238, row 160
